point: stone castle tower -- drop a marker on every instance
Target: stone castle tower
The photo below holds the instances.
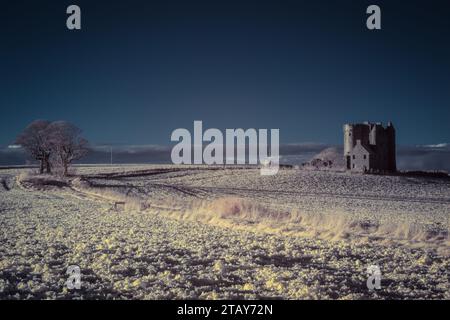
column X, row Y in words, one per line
column 369, row 147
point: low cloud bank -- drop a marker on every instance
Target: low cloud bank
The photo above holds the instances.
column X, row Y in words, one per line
column 426, row 157
column 436, row 157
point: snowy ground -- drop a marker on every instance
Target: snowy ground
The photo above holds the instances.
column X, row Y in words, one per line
column 156, row 254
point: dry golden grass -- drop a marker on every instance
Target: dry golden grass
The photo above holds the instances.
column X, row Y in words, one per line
column 243, row 213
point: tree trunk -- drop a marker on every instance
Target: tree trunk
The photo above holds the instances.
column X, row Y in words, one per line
column 65, row 169
column 47, row 165
column 41, row 166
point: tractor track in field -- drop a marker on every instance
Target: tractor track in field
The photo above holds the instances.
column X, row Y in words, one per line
column 339, row 195
column 241, row 191
column 204, row 191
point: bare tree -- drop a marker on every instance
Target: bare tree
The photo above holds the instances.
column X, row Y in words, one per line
column 34, row 140
column 66, row 143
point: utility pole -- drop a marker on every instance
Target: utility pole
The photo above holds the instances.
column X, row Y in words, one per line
column 111, row 156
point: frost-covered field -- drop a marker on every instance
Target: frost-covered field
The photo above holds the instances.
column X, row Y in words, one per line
column 319, row 234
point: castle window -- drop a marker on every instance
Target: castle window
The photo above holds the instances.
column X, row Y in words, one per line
column 354, row 157
column 353, row 166
column 365, row 157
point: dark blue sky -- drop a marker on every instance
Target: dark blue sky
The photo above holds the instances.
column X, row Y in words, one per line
column 140, row 69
